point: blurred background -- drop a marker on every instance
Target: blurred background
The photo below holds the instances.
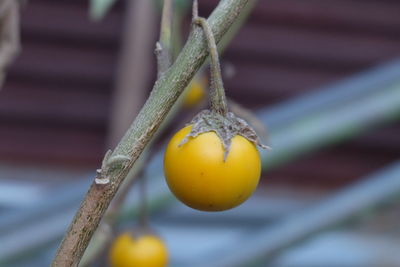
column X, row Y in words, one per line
column 322, row 76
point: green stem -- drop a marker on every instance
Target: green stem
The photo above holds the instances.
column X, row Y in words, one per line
column 217, row 97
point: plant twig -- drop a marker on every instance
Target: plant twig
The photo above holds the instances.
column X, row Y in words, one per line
column 218, row 98
column 9, row 34
column 164, row 94
column 164, row 45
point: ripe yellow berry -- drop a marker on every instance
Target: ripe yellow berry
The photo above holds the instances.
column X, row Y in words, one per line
column 143, row 251
column 199, row 177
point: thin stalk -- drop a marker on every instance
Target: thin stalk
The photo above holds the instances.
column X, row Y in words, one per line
column 177, row 20
column 217, row 96
column 164, row 45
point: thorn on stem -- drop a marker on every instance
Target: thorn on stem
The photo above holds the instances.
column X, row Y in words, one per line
column 108, row 163
column 102, row 180
column 158, row 48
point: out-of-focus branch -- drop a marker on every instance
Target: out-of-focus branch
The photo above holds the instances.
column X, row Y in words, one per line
column 164, row 45
column 232, row 32
column 9, row 34
column 134, row 70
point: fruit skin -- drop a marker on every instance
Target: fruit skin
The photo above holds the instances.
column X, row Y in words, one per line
column 195, row 93
column 198, row 176
column 144, row 251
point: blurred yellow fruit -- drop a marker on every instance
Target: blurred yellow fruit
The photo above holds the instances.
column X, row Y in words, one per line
column 143, row 251
column 195, row 93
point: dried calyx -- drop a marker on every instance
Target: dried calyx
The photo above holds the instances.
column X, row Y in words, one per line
column 226, row 127
column 219, row 120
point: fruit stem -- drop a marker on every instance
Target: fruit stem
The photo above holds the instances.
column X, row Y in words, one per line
column 217, row 97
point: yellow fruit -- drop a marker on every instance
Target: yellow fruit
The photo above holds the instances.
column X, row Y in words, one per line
column 195, row 93
column 143, row 251
column 199, row 177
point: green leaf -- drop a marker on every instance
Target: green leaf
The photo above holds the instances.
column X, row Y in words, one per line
column 99, row 8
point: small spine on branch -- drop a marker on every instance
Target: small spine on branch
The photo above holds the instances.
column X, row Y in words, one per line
column 109, row 163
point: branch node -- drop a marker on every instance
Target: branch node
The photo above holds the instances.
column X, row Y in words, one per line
column 109, row 162
column 115, row 160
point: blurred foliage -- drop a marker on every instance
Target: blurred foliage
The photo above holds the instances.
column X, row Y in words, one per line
column 99, row 8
